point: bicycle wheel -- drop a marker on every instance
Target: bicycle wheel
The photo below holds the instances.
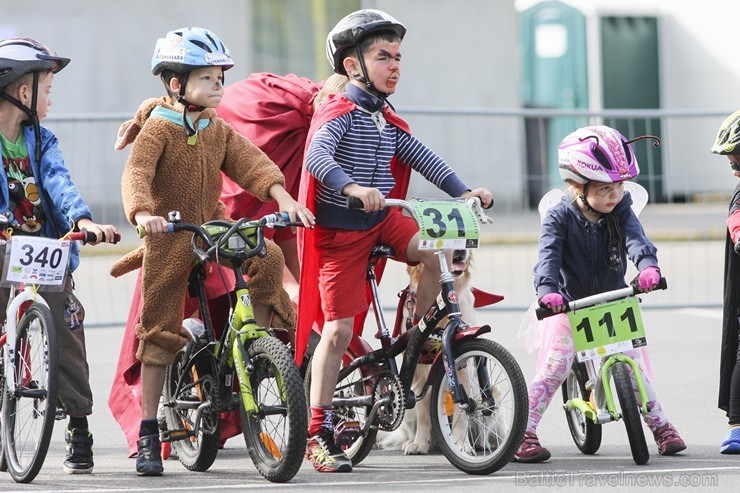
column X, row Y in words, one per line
column 198, row 383
column 484, row 438
column 30, row 408
column 276, row 434
column 630, row 412
column 586, row 434
column 3, row 462
column 357, row 384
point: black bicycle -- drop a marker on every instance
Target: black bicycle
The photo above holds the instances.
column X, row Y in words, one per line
column 478, row 393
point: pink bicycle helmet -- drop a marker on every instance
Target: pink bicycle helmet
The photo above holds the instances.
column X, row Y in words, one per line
column 598, row 153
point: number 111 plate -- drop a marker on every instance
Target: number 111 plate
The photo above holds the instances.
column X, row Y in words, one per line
column 609, row 328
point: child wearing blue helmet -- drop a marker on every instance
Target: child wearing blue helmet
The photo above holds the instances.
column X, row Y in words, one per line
column 179, row 152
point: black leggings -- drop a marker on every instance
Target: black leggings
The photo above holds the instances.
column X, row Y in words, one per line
column 734, row 409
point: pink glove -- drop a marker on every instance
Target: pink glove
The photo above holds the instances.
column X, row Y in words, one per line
column 648, row 278
column 552, row 301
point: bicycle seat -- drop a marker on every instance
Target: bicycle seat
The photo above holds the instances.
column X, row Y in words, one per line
column 381, row 251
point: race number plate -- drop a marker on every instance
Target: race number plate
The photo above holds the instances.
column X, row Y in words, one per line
column 446, row 225
column 606, row 329
column 36, row 260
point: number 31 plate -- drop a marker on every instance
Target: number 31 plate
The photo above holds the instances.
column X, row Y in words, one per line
column 446, row 224
column 606, row 329
column 35, row 260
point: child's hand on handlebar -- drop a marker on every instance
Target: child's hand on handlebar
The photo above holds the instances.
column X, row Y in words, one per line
column 485, row 196
column 104, row 232
column 648, row 279
column 153, row 225
column 298, row 212
column 553, row 302
column 372, row 198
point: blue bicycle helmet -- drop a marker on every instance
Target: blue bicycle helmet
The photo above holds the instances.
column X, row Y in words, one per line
column 183, row 50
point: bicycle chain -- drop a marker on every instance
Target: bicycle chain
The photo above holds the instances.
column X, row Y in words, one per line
column 389, row 417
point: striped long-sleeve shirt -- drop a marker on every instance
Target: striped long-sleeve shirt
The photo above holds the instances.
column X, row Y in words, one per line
column 358, row 148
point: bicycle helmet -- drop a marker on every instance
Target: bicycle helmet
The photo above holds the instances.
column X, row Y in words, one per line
column 729, row 136
column 598, row 153
column 183, row 50
column 19, row 56
column 351, row 30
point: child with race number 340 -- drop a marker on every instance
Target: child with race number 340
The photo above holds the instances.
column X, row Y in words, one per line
column 585, row 240
column 39, row 198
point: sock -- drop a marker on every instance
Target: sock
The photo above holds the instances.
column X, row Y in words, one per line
column 322, row 419
column 148, row 427
column 78, row 423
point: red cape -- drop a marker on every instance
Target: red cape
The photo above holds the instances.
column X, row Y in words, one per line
column 274, row 113
column 310, row 316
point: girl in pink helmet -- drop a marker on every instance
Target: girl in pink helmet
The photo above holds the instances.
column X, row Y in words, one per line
column 584, row 244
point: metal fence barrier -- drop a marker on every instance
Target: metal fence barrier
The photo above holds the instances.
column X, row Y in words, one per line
column 513, row 153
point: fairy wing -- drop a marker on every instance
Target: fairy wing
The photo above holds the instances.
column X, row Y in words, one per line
column 639, row 198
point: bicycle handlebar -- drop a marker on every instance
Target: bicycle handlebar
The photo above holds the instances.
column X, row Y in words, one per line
column 596, row 299
column 238, row 228
column 353, row 203
column 86, row 237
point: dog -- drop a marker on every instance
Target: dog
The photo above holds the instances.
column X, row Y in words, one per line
column 414, row 435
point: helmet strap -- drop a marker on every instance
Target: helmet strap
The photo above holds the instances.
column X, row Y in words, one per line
column 364, row 79
column 189, row 129
column 31, row 112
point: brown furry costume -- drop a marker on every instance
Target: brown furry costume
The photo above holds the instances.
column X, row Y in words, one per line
column 165, row 173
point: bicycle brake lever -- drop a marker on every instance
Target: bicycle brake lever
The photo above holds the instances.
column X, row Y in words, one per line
column 475, row 205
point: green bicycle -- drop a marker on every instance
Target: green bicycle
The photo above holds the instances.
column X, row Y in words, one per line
column 604, row 326
column 198, row 385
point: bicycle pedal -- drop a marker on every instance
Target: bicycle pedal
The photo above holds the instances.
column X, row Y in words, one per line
column 60, row 414
column 347, row 432
column 174, row 435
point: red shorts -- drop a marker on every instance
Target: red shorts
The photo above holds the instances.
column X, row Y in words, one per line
column 343, row 261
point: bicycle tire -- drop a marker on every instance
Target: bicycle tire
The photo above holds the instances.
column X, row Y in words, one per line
column 585, row 433
column 199, row 382
column 3, row 462
column 485, row 439
column 351, row 386
column 276, row 442
column 36, row 369
column 630, row 413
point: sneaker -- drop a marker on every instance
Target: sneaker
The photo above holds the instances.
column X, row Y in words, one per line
column 669, row 443
column 79, row 459
column 530, row 450
column 149, row 457
column 731, row 445
column 325, row 455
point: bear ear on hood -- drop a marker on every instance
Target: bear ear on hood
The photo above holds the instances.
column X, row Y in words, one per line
column 127, row 132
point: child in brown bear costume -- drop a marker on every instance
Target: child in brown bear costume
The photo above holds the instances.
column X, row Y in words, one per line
column 175, row 164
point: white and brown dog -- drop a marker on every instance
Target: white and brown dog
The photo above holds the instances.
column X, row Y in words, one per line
column 414, row 436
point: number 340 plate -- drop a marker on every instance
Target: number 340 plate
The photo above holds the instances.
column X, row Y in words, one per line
column 35, row 260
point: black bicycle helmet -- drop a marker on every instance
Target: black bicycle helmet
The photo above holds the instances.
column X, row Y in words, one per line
column 352, row 29
column 728, row 136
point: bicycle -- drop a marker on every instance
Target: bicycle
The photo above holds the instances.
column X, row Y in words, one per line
column 29, row 367
column 198, row 385
column 587, row 393
column 479, row 409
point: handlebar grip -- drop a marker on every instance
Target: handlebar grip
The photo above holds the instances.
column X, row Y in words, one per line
column 90, row 237
column 141, row 231
column 354, row 203
column 662, row 284
column 490, row 205
column 543, row 313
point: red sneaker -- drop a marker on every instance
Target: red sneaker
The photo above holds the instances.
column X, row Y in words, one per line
column 530, row 450
column 669, row 443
